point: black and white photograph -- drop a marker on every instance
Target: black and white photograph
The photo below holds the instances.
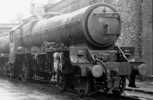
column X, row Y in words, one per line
column 76, row 49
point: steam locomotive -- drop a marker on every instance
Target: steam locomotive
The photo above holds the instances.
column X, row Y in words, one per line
column 76, row 49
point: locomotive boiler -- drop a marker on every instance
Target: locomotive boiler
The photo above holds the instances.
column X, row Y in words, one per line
column 97, row 26
column 93, row 30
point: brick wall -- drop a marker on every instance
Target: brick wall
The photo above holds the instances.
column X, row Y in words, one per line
column 131, row 26
column 147, row 36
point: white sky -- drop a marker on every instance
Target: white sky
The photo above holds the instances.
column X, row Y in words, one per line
column 10, row 9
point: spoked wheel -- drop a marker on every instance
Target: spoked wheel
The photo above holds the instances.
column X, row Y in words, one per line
column 24, row 74
column 122, row 84
column 7, row 70
column 105, row 90
column 85, row 90
column 61, row 83
column 81, row 93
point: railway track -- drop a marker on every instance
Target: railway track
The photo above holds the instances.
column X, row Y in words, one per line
column 45, row 90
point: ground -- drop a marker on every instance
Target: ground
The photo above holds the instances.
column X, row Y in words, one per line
column 144, row 90
column 16, row 90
